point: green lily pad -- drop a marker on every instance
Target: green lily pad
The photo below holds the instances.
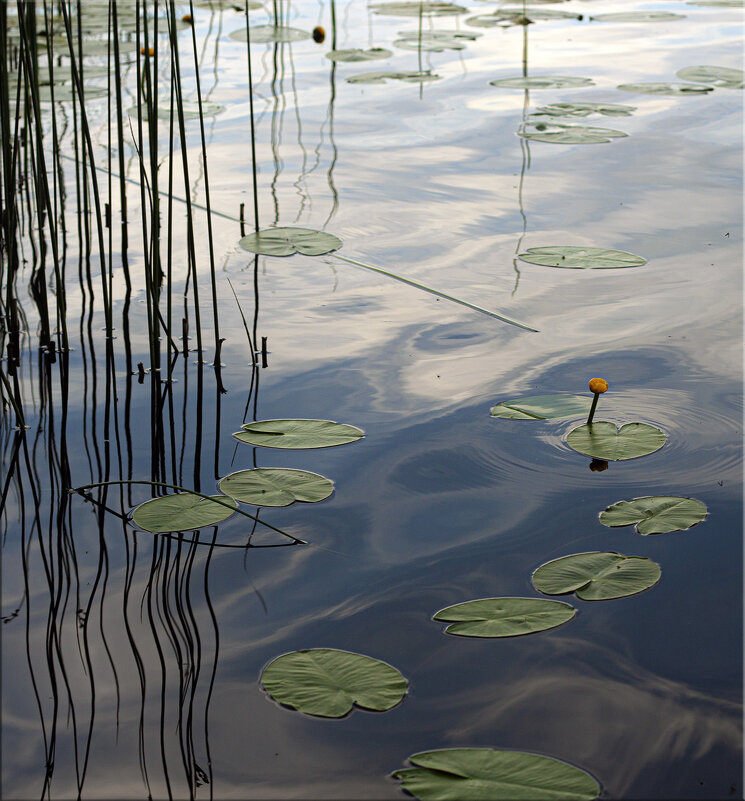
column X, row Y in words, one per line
column 69, row 91
column 515, row 16
column 568, row 134
column 382, row 77
column 583, row 110
column 427, row 8
column 597, row 575
column 297, row 434
column 182, row 512
column 665, row 88
column 602, row 440
column 638, row 16
column 435, row 41
column 542, row 82
column 486, row 774
column 721, row 77
column 573, row 257
column 504, row 617
column 288, row 241
column 329, row 683
column 542, row 407
column 276, row 486
column 655, row 514
column 355, row 54
column 263, row 34
column 190, row 110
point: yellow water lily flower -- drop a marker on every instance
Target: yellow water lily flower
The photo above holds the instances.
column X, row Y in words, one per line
column 598, row 385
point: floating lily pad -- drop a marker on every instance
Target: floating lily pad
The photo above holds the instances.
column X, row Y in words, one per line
column 597, row 575
column 516, row 16
column 222, row 4
column 435, row 41
column 542, row 407
column 602, row 440
column 69, row 91
column 638, row 16
column 427, row 8
column 297, row 434
column 276, row 486
column 542, row 82
column 355, row 54
column 666, row 88
column 721, row 77
column 190, row 110
column 287, row 241
column 568, row 134
column 262, row 34
column 382, row 77
column 717, row 3
column 583, row 110
column 182, row 512
column 329, row 683
column 486, row 774
column 504, row 617
column 657, row 514
column 573, row 257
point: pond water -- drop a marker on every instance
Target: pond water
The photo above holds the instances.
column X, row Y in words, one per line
column 131, row 661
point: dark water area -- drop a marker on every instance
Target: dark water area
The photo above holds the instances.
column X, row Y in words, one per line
column 131, row 661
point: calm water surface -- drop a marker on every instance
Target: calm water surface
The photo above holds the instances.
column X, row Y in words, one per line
column 131, row 661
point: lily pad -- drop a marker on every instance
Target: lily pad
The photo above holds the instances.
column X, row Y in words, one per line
column 355, row 54
column 516, row 16
column 568, row 134
column 288, row 241
column 572, row 257
column 504, row 617
column 427, row 8
column 638, row 16
column 721, row 77
column 435, row 41
column 329, row 683
column 487, row 774
column 190, row 110
column 666, row 88
column 543, row 82
column 298, row 434
column 263, row 34
column 382, row 77
column 597, row 575
column 182, row 512
column 717, row 3
column 602, row 440
column 583, row 110
column 542, row 407
column 656, row 514
column 69, row 91
column 276, row 486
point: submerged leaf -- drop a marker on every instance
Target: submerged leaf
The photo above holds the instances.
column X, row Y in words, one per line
column 542, row 82
column 504, row 617
column 287, row 241
column 355, row 54
column 602, row 440
column 656, row 514
column 298, row 433
column 721, row 77
column 382, row 77
column 666, row 88
column 328, row 683
column 597, row 575
column 412, row 8
column 542, row 407
column 276, row 486
column 568, row 134
column 435, row 41
column 583, row 110
column 182, row 512
column 486, row 774
column 263, row 34
column 637, row 16
column 573, row 257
